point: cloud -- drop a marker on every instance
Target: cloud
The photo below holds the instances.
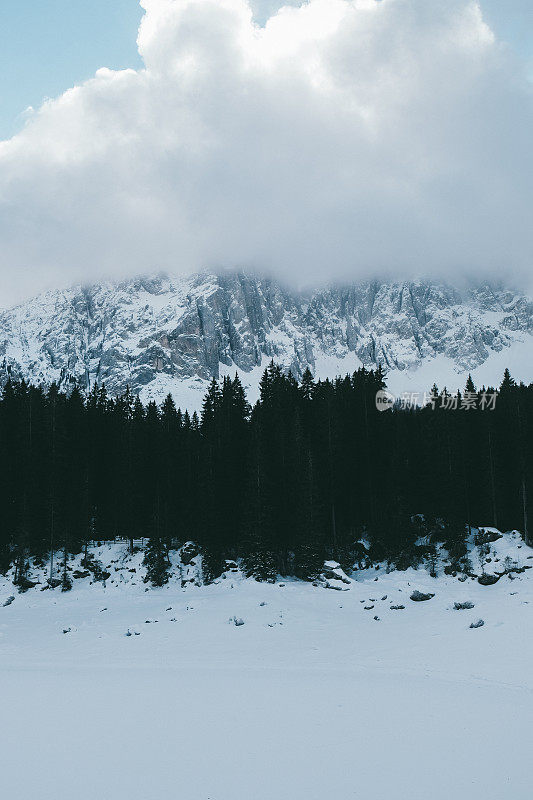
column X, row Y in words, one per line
column 343, row 138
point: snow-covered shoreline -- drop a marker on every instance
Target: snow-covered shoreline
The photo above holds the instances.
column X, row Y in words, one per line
column 312, row 696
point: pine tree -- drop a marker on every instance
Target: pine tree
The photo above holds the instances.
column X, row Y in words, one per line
column 508, row 383
column 470, row 388
column 156, row 562
column 284, row 485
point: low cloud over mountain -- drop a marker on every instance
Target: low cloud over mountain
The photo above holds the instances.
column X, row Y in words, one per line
column 340, row 139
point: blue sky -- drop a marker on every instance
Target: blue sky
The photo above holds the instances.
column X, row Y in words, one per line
column 46, row 46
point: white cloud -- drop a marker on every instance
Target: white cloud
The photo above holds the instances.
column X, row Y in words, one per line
column 342, row 138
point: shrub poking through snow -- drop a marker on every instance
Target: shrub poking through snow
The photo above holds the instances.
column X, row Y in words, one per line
column 261, row 565
column 478, row 624
column 25, row 583
column 66, row 582
column 486, row 537
column 89, row 562
column 463, row 606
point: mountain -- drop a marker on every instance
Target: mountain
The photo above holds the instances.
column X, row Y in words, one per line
column 163, row 334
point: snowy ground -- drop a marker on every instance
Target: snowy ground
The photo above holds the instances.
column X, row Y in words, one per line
column 310, row 698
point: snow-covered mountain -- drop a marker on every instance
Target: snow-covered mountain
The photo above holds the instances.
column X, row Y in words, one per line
column 163, row 334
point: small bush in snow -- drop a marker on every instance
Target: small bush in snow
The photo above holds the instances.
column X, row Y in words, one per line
column 510, row 564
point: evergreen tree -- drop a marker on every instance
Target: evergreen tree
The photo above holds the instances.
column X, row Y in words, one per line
column 156, row 562
column 295, row 480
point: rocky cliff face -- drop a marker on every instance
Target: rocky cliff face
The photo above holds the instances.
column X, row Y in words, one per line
column 161, row 334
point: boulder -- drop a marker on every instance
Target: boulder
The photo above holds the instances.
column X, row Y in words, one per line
column 419, row 597
column 478, row 624
column 488, row 580
column 334, row 577
column 463, row 606
column 8, row 601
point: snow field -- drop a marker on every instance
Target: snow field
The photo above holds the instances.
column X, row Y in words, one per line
column 311, row 697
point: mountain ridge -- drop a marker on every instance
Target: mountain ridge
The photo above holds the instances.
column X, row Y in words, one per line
column 159, row 333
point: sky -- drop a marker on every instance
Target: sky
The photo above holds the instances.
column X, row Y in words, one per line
column 342, row 138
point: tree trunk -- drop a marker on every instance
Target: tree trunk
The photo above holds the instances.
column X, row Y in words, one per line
column 527, row 537
column 492, row 484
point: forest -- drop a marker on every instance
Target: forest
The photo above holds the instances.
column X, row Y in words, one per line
column 312, row 471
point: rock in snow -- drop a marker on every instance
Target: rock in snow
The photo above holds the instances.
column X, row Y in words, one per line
column 334, row 577
column 420, row 596
column 188, row 551
column 488, row 580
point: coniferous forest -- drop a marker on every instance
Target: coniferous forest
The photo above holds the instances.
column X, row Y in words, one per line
column 306, row 474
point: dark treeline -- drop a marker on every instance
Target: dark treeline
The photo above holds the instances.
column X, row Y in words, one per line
column 306, row 474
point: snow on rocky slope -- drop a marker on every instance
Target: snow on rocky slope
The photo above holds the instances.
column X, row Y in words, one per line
column 356, row 693
column 163, row 334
